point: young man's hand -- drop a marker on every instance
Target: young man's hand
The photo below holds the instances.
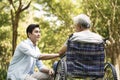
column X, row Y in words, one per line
column 51, row 72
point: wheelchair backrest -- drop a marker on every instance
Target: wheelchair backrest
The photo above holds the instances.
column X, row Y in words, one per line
column 85, row 59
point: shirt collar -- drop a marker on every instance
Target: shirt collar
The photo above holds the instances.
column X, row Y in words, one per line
column 87, row 30
column 30, row 42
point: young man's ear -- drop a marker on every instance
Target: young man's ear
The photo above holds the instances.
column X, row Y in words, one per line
column 80, row 28
column 29, row 34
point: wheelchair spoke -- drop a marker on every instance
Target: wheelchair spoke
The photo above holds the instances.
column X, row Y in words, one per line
column 110, row 73
column 58, row 72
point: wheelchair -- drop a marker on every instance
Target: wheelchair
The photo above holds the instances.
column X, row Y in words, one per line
column 84, row 61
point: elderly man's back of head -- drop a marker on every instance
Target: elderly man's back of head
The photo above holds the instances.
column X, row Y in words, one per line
column 82, row 20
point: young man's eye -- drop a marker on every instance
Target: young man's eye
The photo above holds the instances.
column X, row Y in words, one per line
column 37, row 31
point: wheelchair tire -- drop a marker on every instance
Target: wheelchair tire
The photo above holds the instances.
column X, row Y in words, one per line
column 110, row 72
column 60, row 71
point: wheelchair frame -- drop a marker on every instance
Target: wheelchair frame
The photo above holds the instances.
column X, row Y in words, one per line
column 61, row 71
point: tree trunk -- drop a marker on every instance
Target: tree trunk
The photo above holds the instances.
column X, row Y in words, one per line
column 14, row 33
column 15, row 21
column 15, row 16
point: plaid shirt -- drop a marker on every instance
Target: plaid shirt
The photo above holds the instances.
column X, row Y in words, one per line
column 85, row 59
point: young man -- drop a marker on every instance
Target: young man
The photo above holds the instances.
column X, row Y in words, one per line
column 26, row 56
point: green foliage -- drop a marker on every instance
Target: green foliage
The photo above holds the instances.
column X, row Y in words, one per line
column 4, row 14
column 21, row 33
column 5, row 50
column 63, row 10
column 4, row 19
column 5, row 39
column 49, row 42
column 3, row 74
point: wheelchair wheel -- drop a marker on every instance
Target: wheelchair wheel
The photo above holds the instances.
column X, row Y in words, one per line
column 60, row 72
column 110, row 72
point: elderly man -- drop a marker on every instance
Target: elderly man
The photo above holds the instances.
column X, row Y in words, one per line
column 82, row 24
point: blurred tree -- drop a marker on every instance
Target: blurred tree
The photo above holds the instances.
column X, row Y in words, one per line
column 5, row 50
column 5, row 39
column 4, row 16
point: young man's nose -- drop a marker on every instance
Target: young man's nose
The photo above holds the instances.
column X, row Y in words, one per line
column 39, row 34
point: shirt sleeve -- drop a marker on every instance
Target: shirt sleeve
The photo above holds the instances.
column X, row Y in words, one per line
column 26, row 49
column 39, row 64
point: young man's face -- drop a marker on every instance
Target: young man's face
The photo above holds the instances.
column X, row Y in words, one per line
column 35, row 35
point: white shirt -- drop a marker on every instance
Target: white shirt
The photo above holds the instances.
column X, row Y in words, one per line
column 24, row 60
column 86, row 36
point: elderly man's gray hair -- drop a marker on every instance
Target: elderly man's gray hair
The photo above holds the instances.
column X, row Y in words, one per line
column 82, row 20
